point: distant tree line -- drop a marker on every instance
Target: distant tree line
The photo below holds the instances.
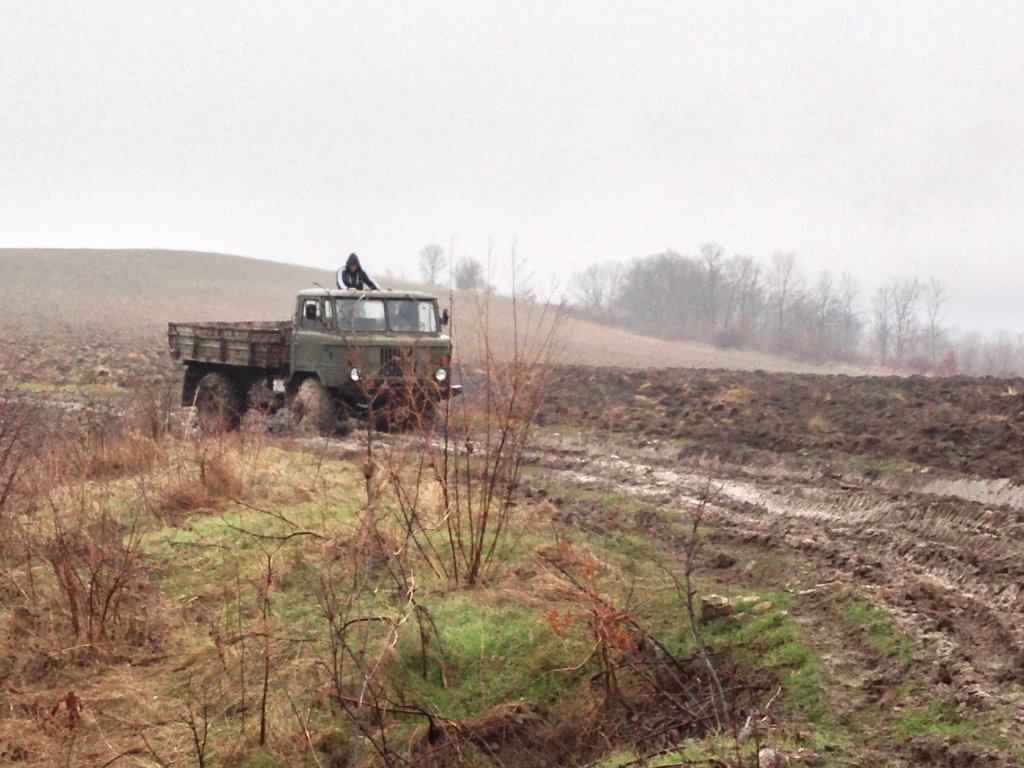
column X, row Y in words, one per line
column 745, row 302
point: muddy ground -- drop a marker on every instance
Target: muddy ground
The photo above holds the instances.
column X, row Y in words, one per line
column 942, row 559
column 964, row 424
column 902, row 492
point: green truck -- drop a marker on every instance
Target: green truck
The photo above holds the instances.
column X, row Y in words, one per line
column 379, row 355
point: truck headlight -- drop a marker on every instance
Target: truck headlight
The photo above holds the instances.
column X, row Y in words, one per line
column 441, row 374
column 354, row 374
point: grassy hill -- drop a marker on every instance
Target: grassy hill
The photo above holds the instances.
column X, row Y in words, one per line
column 95, row 300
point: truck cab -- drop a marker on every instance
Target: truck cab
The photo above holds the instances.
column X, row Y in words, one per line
column 363, row 343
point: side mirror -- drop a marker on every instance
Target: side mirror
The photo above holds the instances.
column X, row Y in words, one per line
column 445, row 317
column 311, row 311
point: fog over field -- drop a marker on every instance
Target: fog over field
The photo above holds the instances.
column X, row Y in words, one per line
column 873, row 138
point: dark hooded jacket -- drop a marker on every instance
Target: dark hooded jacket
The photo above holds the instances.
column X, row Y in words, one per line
column 357, row 278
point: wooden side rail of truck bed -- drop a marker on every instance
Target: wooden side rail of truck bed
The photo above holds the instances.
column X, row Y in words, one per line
column 264, row 345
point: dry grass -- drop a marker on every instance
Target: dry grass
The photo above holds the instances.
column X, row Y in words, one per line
column 991, row 418
column 130, row 454
column 517, row 734
column 96, row 663
column 818, row 425
column 735, row 395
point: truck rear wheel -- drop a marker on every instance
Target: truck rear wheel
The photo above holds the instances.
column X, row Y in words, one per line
column 219, row 405
column 315, row 409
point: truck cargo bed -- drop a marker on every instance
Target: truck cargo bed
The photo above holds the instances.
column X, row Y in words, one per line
column 249, row 344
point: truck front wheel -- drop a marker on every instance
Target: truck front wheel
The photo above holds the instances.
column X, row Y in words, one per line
column 315, row 409
column 219, row 405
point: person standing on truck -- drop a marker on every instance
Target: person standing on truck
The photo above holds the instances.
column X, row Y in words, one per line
column 353, row 277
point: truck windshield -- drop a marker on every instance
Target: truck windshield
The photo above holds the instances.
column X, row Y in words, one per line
column 412, row 316
column 400, row 315
column 359, row 314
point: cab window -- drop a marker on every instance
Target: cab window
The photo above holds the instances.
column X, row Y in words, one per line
column 412, row 316
column 310, row 316
column 360, row 314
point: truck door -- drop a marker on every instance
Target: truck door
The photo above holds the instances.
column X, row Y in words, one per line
column 311, row 324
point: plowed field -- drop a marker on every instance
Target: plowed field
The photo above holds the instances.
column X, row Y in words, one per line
column 963, row 424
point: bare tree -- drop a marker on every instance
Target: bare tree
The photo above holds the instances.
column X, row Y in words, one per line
column 782, row 279
column 751, row 299
column 851, row 321
column 882, row 315
column 905, row 295
column 711, row 257
column 660, row 294
column 1000, row 357
column 738, row 272
column 596, row 286
column 469, row 274
column 934, row 298
column 969, row 352
column 744, row 301
column 432, row 263
column 825, row 305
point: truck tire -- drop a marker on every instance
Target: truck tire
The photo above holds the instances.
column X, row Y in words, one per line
column 314, row 408
column 219, row 406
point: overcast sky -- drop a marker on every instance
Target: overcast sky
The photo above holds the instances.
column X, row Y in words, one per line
column 882, row 138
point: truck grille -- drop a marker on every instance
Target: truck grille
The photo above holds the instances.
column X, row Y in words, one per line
column 394, row 362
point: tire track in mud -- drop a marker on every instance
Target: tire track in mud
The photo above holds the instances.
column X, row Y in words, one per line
column 946, row 566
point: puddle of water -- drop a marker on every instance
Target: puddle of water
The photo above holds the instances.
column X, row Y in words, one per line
column 990, row 492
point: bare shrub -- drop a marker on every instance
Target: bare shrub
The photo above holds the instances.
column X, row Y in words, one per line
column 464, row 483
column 15, row 417
column 97, row 562
column 181, row 498
column 153, row 409
column 207, row 478
column 125, row 454
column 691, row 552
column 220, row 478
column 360, row 642
column 514, row 733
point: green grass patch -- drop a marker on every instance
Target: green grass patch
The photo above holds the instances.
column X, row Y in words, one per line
column 884, row 463
column 937, row 718
column 715, row 750
column 883, row 637
column 492, row 653
column 771, row 641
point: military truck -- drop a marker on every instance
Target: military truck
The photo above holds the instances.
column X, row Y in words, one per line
column 379, row 355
